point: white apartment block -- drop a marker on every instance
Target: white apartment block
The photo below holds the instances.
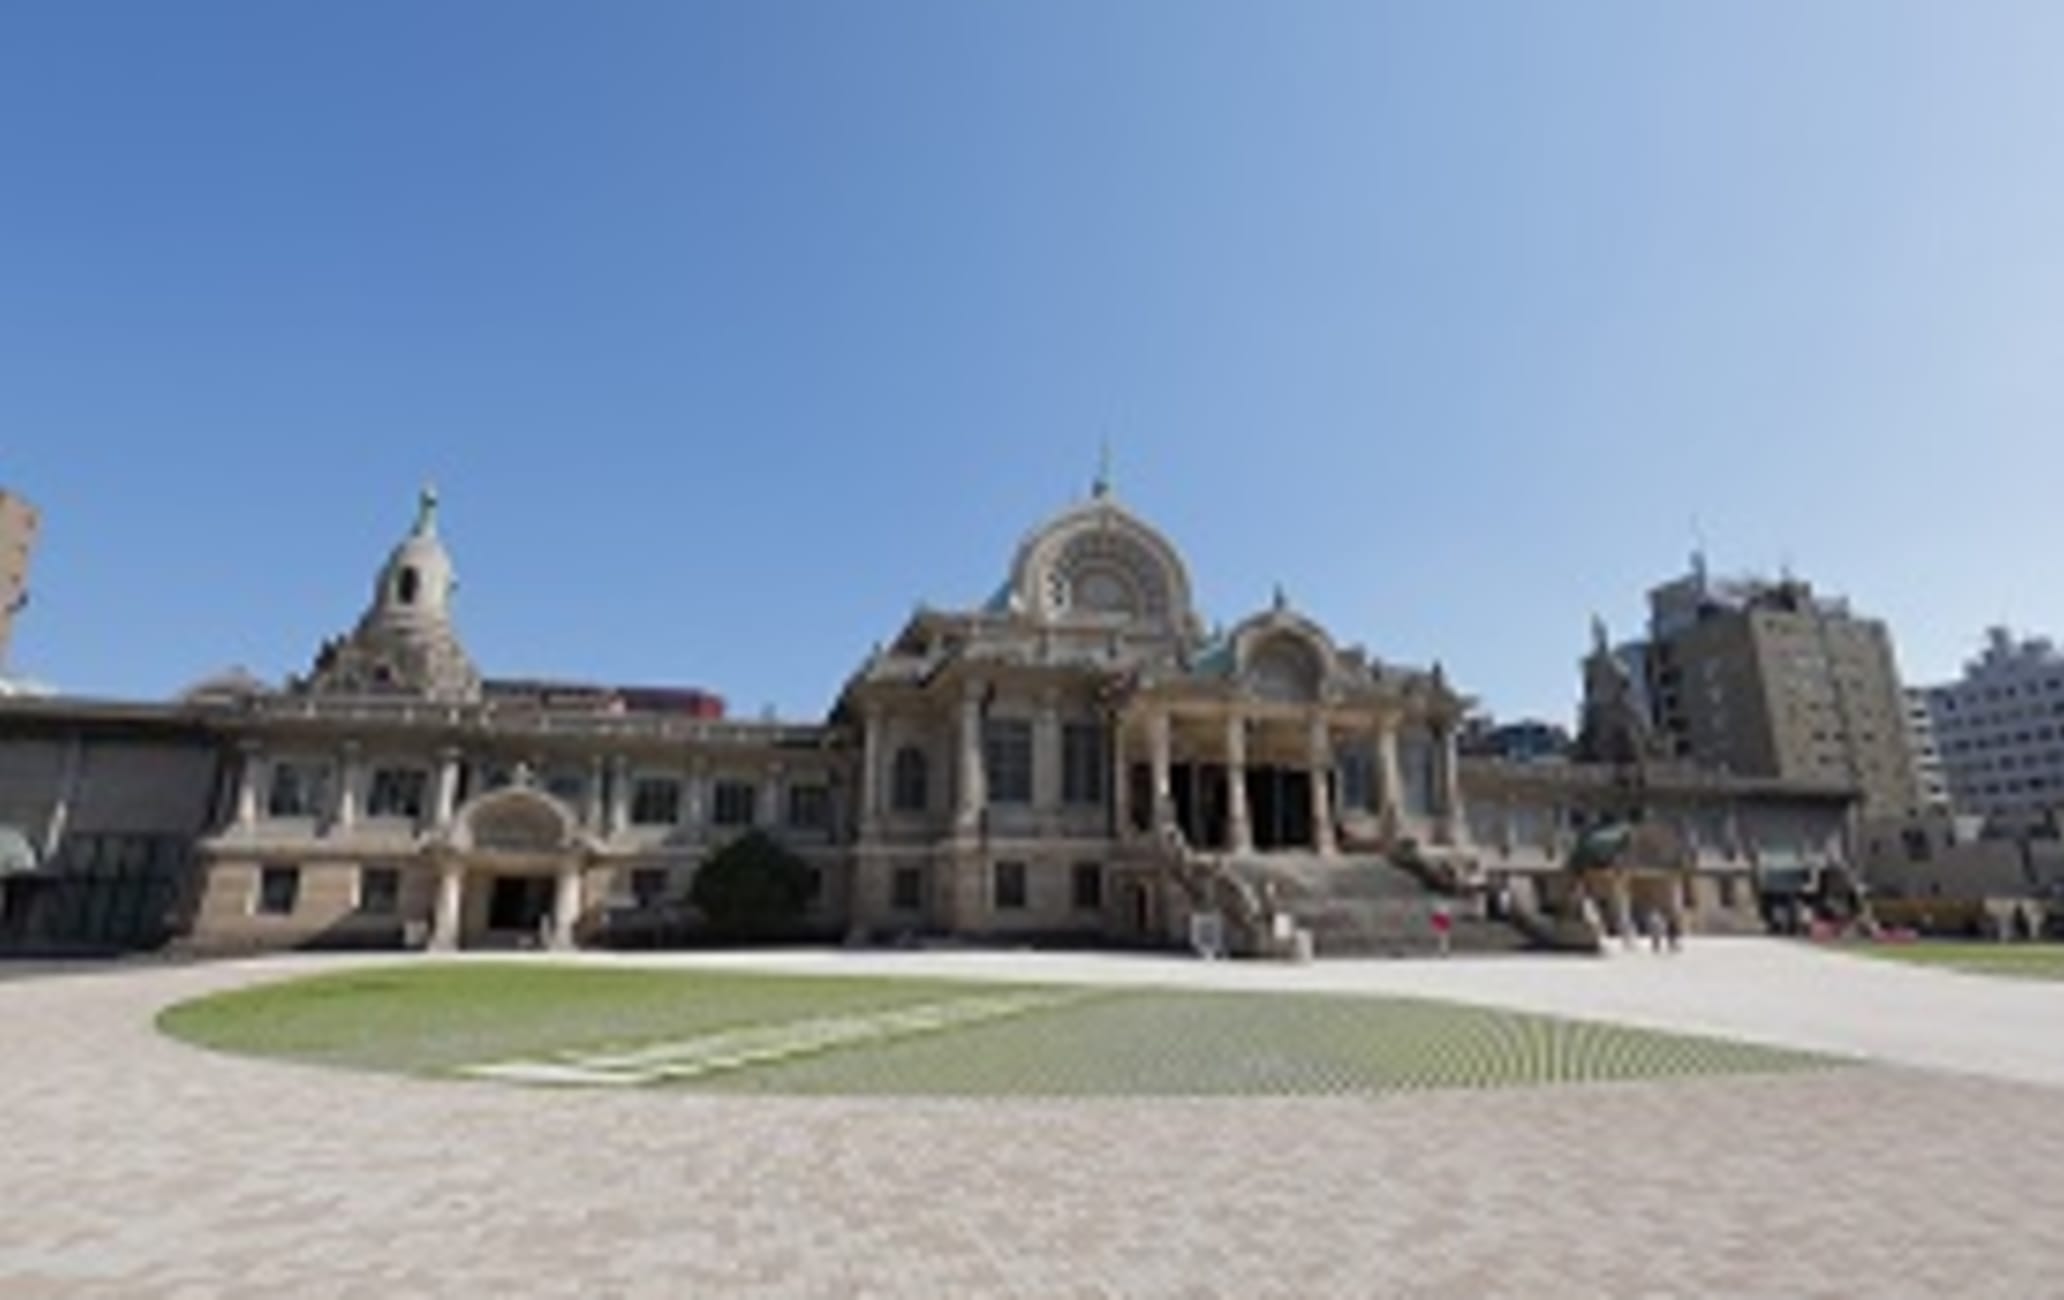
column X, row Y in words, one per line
column 1999, row 730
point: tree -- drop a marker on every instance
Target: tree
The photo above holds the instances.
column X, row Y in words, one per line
column 752, row 888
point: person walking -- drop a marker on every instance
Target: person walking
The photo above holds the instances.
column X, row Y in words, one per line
column 1443, row 925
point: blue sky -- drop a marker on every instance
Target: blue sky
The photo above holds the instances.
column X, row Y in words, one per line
column 731, row 331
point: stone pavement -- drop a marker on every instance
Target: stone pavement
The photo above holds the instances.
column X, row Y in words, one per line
column 135, row 1165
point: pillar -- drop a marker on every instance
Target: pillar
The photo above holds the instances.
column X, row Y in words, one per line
column 1239, row 824
column 696, row 808
column 1121, row 780
column 591, row 797
column 770, row 810
column 1454, row 817
column 1046, row 754
column 970, row 796
column 447, row 788
column 566, row 904
column 619, row 795
column 1390, row 783
column 449, row 918
column 870, row 766
column 344, row 805
column 250, row 758
column 1321, row 793
column 1160, row 756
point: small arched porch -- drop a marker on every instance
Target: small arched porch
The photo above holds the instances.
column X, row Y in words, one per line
column 511, row 872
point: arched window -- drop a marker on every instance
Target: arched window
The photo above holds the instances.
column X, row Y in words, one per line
column 907, row 786
column 405, row 585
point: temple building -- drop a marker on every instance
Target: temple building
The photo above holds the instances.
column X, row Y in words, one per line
column 1075, row 759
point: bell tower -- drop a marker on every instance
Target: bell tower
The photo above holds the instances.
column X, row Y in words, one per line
column 405, row 643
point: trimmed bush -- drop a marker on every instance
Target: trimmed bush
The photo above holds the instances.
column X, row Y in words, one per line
column 752, row 888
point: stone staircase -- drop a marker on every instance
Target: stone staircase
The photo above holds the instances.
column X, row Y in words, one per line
column 1364, row 905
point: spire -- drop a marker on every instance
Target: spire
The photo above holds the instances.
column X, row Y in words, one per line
column 1100, row 486
column 426, row 512
column 1281, row 599
column 1601, row 643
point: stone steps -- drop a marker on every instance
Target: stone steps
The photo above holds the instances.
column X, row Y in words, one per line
column 1364, row 905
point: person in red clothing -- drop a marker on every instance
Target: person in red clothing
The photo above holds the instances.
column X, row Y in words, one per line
column 1443, row 925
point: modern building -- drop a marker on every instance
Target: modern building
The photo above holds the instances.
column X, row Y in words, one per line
column 1999, row 733
column 1771, row 679
column 101, row 806
column 1527, row 740
column 1931, row 778
column 18, row 525
column 1075, row 758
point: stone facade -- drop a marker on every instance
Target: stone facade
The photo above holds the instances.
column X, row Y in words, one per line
column 1075, row 759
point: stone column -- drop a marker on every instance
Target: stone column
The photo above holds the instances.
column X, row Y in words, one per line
column 1161, row 747
column 1046, row 755
column 591, row 798
column 1121, row 780
column 770, row 810
column 344, row 806
column 566, row 904
column 1239, row 825
column 870, row 767
column 1323, row 839
column 450, row 917
column 250, row 759
column 1390, row 783
column 697, row 808
column 619, row 795
column 967, row 817
column 1454, row 818
column 447, row 805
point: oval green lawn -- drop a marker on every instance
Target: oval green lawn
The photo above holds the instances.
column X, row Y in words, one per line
column 442, row 1017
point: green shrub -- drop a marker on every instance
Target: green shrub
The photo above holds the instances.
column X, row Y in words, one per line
column 752, row 888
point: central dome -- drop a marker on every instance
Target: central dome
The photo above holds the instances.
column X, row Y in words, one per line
column 1099, row 563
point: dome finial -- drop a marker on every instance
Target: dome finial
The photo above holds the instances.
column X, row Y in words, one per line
column 426, row 511
column 1281, row 599
column 1100, row 487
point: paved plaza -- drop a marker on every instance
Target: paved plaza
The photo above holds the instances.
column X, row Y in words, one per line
column 137, row 1165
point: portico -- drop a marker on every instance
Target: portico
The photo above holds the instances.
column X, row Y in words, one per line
column 511, row 870
column 1235, row 773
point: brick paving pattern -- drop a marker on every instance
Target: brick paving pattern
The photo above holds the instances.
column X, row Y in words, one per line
column 136, row 1165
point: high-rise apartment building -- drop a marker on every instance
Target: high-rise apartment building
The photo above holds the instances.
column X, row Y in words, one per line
column 2000, row 731
column 1770, row 679
column 18, row 523
column 1931, row 779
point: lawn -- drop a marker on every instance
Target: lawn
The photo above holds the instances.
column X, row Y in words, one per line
column 735, row 1032
column 2035, row 961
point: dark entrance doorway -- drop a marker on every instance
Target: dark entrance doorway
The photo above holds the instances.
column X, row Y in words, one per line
column 519, row 903
column 1199, row 791
column 1279, row 803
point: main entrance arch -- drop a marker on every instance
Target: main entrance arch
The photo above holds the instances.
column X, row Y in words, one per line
column 511, row 871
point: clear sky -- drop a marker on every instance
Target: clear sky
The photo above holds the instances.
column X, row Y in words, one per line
column 730, row 331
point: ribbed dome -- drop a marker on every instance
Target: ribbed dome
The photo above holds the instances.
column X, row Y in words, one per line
column 1099, row 562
